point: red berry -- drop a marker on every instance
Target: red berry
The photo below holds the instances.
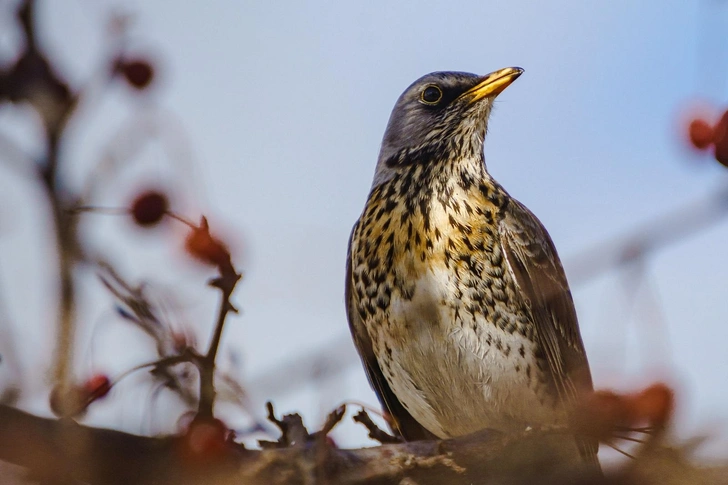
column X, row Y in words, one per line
column 137, row 72
column 97, row 386
column 654, row 405
column 701, row 133
column 149, row 208
column 600, row 413
column 182, row 341
column 201, row 245
column 721, row 140
column 206, row 438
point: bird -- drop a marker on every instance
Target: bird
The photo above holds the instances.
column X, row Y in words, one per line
column 456, row 299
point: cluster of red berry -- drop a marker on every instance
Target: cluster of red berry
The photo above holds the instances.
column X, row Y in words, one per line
column 704, row 135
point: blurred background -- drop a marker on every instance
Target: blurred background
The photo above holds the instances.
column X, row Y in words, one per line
column 267, row 117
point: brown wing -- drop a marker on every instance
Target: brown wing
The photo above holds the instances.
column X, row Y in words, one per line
column 401, row 421
column 536, row 268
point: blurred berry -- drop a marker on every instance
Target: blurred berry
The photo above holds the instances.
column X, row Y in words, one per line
column 149, row 208
column 600, row 413
column 654, row 404
column 720, row 138
column 206, row 438
column 137, row 72
column 97, row 387
column 701, row 133
column 182, row 341
column 201, row 245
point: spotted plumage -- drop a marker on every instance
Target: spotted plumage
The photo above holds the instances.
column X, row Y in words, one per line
column 456, row 298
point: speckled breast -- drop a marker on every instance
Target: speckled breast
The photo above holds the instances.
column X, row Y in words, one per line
column 450, row 334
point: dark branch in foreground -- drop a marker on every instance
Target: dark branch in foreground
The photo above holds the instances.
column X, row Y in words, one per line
column 57, row 448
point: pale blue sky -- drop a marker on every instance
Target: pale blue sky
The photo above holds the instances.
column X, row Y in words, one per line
column 284, row 105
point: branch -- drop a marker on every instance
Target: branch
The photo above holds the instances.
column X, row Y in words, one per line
column 64, row 449
column 56, row 448
column 201, row 244
column 34, row 80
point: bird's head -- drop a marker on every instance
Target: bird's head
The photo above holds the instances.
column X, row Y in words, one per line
column 441, row 115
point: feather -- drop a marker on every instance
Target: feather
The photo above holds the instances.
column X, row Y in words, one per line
column 535, row 266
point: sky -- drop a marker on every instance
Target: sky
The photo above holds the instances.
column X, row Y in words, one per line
column 268, row 118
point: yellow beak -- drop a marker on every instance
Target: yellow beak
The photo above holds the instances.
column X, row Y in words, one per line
column 492, row 84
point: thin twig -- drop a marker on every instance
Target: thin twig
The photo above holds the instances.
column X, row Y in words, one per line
column 113, row 211
column 629, row 438
column 226, row 283
column 293, row 431
column 188, row 357
column 332, row 420
column 620, row 451
column 375, row 432
column 181, row 219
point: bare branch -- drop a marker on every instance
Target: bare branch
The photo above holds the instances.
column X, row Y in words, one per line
column 57, row 448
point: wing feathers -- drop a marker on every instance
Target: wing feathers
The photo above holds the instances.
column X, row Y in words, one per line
column 537, row 271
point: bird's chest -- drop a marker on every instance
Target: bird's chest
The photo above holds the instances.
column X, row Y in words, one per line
column 437, row 262
column 441, row 310
column 451, row 363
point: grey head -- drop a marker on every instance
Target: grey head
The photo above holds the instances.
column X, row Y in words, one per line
column 442, row 114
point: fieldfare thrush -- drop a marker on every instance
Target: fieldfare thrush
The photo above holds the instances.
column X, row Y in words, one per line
column 456, row 298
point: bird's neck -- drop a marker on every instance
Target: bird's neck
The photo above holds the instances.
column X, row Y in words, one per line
column 425, row 171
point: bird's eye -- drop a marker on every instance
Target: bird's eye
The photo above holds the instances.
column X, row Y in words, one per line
column 431, row 95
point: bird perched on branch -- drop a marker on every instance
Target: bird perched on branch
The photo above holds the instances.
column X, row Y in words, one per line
column 456, row 298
